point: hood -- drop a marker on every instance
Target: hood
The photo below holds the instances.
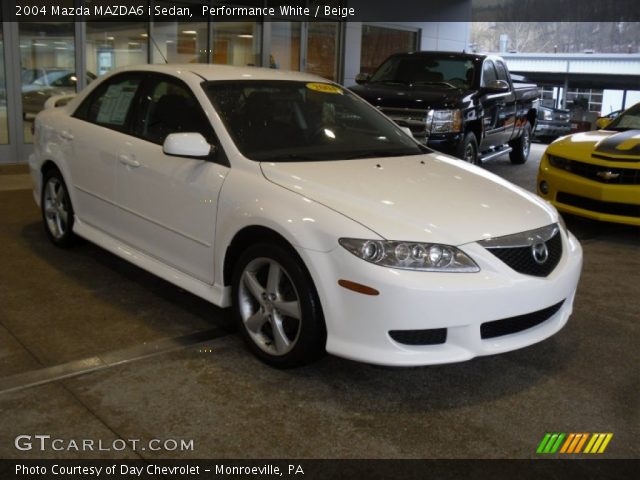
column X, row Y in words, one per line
column 428, row 198
column 408, row 96
column 603, row 142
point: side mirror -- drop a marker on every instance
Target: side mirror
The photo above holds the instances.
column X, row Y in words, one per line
column 186, row 145
column 603, row 122
column 497, row 86
column 362, row 78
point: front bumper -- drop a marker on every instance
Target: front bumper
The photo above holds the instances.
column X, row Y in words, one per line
column 581, row 196
column 358, row 325
column 448, row 143
column 552, row 130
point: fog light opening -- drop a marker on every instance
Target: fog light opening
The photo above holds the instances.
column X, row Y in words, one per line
column 544, row 187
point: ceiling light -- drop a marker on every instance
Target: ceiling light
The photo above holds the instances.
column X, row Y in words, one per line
column 190, row 32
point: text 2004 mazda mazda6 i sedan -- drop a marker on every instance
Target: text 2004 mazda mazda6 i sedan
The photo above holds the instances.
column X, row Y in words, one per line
column 322, row 223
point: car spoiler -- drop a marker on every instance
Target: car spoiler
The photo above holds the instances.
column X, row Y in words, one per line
column 58, row 100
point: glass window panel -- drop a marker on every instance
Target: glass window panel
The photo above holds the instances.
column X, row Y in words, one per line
column 47, row 62
column 115, row 44
column 322, row 49
column 378, row 43
column 236, row 43
column 285, row 45
column 178, row 42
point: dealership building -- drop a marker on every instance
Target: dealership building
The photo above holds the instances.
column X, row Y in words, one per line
column 39, row 57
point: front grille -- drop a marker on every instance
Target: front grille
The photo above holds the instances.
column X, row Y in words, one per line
column 432, row 336
column 521, row 259
column 413, row 118
column 599, row 173
column 615, row 159
column 507, row 326
column 622, row 209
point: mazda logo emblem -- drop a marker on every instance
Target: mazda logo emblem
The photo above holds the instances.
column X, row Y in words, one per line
column 540, row 252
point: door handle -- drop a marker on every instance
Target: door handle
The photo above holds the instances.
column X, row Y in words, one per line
column 66, row 135
column 127, row 160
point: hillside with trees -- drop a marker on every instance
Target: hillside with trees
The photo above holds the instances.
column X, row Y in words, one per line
column 557, row 37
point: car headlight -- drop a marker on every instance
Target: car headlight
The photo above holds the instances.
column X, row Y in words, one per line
column 444, row 121
column 547, row 115
column 426, row 257
column 559, row 162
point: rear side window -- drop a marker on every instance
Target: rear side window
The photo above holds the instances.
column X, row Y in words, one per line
column 111, row 103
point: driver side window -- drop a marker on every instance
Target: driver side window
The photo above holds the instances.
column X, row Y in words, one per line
column 168, row 106
column 488, row 73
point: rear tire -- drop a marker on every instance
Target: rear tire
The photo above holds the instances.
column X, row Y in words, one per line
column 56, row 208
column 521, row 146
column 277, row 307
column 468, row 149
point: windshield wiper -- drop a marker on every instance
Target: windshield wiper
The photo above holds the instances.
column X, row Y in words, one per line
column 389, row 82
column 450, row 85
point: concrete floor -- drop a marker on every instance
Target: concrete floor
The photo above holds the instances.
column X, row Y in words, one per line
column 86, row 306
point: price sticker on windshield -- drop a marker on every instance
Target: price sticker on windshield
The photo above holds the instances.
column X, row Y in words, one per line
column 324, row 88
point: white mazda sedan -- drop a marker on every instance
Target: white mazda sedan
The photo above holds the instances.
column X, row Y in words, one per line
column 321, row 223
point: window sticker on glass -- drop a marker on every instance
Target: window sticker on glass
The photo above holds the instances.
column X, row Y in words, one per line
column 324, row 88
column 115, row 104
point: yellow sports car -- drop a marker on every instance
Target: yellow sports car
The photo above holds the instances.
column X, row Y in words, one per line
column 596, row 174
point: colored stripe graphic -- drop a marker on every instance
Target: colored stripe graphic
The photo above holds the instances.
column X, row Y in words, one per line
column 581, row 443
column 598, row 443
column 543, row 443
column 573, row 443
column 605, row 443
column 567, row 442
column 550, row 443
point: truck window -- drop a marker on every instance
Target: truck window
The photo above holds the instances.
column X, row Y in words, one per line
column 488, row 73
column 502, row 71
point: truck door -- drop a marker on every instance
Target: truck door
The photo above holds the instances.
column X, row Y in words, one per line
column 507, row 107
column 491, row 103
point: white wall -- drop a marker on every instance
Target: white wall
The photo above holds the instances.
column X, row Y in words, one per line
column 612, row 100
column 450, row 36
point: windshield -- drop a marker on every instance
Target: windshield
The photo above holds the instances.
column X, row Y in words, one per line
column 299, row 121
column 446, row 71
column 629, row 120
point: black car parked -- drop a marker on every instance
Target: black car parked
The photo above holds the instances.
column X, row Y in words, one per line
column 552, row 123
column 463, row 104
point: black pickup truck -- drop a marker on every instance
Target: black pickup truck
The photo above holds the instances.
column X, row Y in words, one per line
column 463, row 104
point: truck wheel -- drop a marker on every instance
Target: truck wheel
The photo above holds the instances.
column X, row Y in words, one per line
column 521, row 146
column 468, row 150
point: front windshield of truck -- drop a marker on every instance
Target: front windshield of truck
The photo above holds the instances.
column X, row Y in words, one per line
column 445, row 71
column 305, row 121
column 629, row 120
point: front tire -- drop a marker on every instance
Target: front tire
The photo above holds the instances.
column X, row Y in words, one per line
column 57, row 211
column 277, row 308
column 521, row 146
column 468, row 150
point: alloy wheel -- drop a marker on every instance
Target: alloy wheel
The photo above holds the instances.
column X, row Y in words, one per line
column 269, row 306
column 56, row 208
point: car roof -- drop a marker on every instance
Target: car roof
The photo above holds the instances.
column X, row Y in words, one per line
column 444, row 53
column 224, row 72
